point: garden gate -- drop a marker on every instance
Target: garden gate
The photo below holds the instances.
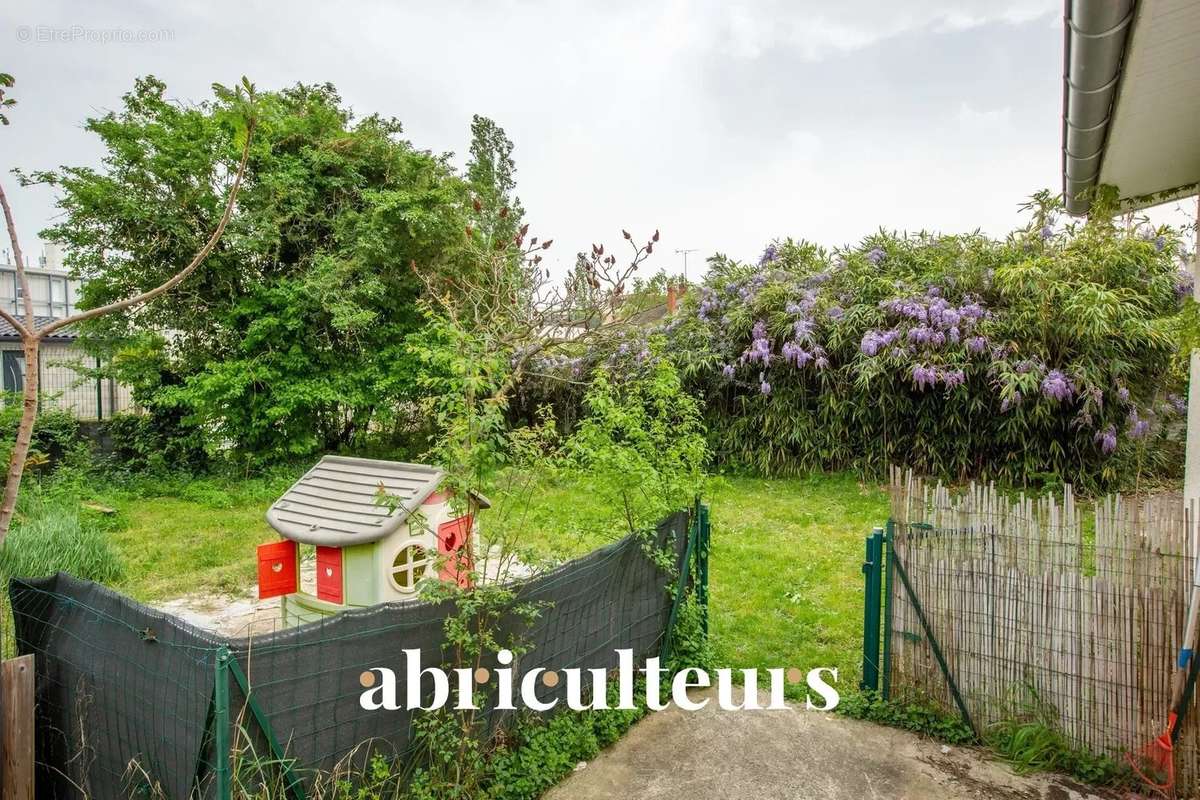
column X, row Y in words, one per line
column 1006, row 609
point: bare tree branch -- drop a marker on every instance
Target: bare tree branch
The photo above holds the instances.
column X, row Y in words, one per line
column 19, row 260
column 11, row 320
column 31, row 337
column 180, row 276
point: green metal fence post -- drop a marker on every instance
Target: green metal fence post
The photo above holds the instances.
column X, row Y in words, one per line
column 705, row 545
column 293, row 787
column 221, row 726
column 889, row 539
column 871, row 580
column 680, row 588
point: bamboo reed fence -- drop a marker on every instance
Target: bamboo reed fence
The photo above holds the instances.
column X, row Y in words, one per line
column 1045, row 612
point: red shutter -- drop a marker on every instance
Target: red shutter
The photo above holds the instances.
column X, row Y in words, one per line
column 454, row 546
column 329, row 574
column 278, row 569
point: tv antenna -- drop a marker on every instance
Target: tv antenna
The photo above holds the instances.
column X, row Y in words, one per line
column 684, row 253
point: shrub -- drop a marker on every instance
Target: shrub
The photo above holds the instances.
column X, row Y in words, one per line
column 55, row 434
column 641, row 444
column 1049, row 353
column 1052, row 352
column 156, row 443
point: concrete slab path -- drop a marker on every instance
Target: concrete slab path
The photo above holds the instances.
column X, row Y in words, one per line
column 796, row 755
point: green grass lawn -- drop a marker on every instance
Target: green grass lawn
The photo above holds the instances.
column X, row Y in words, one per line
column 786, row 585
column 190, row 538
column 785, row 571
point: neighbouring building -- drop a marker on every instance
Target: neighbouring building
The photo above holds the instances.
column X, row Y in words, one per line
column 62, row 382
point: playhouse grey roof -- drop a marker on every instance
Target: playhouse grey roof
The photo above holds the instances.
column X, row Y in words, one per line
column 336, row 502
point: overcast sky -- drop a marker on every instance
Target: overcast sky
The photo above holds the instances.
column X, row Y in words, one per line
column 723, row 124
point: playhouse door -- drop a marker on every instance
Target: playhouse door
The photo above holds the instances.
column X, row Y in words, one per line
column 329, row 574
column 454, row 546
column 278, row 569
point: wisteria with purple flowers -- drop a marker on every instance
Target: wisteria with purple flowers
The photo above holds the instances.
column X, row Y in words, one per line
column 1027, row 355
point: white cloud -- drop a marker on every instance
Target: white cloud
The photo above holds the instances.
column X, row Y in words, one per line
column 985, row 120
column 724, row 124
column 820, row 29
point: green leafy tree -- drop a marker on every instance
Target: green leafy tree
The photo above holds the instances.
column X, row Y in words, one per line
column 6, row 82
column 293, row 339
column 239, row 120
column 491, row 174
column 641, row 443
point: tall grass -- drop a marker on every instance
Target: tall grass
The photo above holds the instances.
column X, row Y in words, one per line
column 54, row 539
column 51, row 536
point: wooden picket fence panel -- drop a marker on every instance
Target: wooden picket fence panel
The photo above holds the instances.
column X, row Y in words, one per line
column 1042, row 611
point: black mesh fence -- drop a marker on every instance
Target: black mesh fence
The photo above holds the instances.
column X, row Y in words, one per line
column 133, row 701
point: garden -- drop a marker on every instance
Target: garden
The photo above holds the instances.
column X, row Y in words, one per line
column 364, row 297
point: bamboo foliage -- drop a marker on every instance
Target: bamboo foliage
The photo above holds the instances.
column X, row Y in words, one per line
column 1038, row 608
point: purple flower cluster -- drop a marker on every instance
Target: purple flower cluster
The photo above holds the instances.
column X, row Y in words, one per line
column 1015, row 399
column 937, row 321
column 1149, row 234
column 1107, row 439
column 561, row 364
column 795, row 354
column 768, row 255
column 709, row 305
column 926, row 377
column 1057, row 386
column 925, row 335
column 1138, row 427
column 1177, row 403
column 936, row 311
column 911, row 309
column 803, row 329
column 1184, row 283
column 760, row 346
column 874, row 341
column 805, row 305
column 876, row 255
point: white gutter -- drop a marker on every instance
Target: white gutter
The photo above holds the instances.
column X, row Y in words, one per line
column 1095, row 33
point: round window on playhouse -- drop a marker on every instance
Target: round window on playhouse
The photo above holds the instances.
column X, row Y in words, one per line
column 408, row 567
